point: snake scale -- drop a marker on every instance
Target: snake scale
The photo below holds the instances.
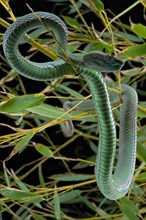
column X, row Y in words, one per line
column 112, row 185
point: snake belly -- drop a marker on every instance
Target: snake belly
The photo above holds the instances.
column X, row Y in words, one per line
column 90, row 66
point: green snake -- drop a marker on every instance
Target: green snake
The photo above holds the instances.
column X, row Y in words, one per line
column 89, row 66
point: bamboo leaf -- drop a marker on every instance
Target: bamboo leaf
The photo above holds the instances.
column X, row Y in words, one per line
column 58, row 0
column 130, row 37
column 141, row 151
column 103, row 213
column 142, row 135
column 69, row 196
column 41, row 178
column 44, row 150
column 72, row 22
column 21, row 185
column 133, row 51
column 88, row 203
column 20, row 195
column 21, row 144
column 52, row 112
column 72, row 177
column 142, row 108
column 20, row 103
column 139, row 29
column 47, row 111
column 38, row 217
column 71, row 91
column 128, row 208
column 131, row 72
column 141, row 177
column 98, row 5
column 56, row 201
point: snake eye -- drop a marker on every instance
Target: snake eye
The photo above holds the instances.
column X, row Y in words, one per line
column 110, row 56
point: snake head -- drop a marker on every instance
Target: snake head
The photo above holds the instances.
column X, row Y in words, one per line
column 102, row 62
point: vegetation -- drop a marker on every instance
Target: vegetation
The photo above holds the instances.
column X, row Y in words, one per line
column 44, row 174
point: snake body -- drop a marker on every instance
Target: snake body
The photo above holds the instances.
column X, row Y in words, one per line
column 90, row 66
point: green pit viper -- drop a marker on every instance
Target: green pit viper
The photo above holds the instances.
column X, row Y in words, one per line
column 112, row 185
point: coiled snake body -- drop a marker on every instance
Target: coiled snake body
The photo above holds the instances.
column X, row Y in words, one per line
column 90, row 66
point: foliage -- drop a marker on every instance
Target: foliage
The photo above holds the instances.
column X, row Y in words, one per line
column 69, row 192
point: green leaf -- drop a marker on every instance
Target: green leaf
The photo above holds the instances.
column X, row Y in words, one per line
column 82, row 164
column 103, row 213
column 71, row 91
column 141, row 151
column 34, row 34
column 38, row 217
column 130, row 37
column 99, row 5
column 131, row 72
column 69, row 196
column 21, row 185
column 142, row 135
column 72, row 177
column 58, row 0
column 57, row 205
column 95, row 5
column 72, row 22
column 138, row 50
column 20, row 103
column 128, row 208
column 20, row 195
column 72, row 47
column 41, row 177
column 21, row 144
column 93, row 146
column 7, row 177
column 52, row 112
column 44, row 150
column 48, row 111
column 141, row 177
column 89, row 204
column 143, row 62
column 139, row 29
column 142, row 105
column 9, row 77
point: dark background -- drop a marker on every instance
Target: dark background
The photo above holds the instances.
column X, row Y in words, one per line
column 19, row 8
